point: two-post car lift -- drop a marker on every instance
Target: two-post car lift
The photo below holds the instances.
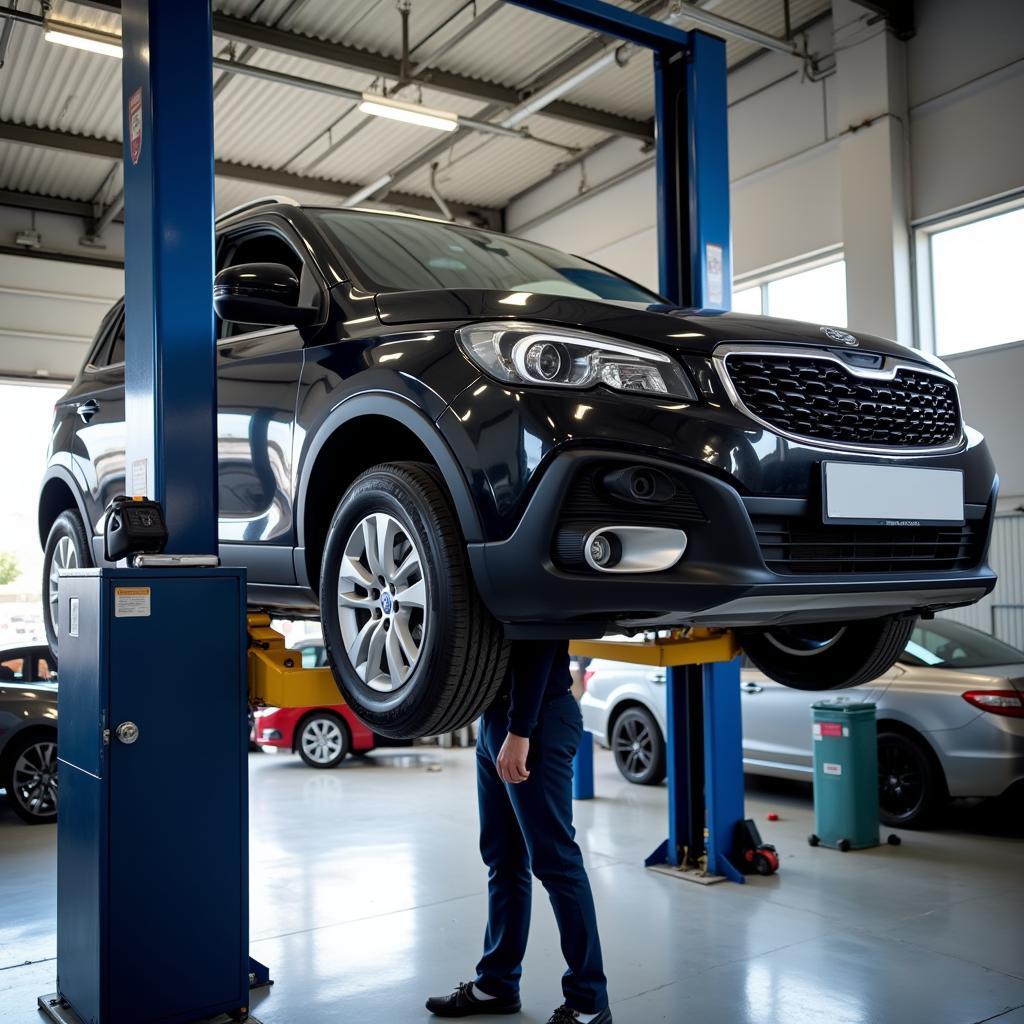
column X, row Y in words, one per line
column 153, row 894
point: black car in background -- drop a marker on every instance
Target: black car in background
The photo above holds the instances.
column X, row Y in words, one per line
column 437, row 438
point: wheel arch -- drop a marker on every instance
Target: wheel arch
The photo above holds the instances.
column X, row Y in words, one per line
column 15, row 740
column 362, row 432
column 58, row 494
column 886, row 724
column 624, row 704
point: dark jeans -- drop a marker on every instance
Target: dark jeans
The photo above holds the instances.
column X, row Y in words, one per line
column 529, row 825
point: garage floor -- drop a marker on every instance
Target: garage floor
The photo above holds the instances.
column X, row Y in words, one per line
column 367, row 895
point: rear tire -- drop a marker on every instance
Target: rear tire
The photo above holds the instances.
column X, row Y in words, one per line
column 413, row 648
column 322, row 740
column 827, row 656
column 638, row 747
column 67, row 547
column 911, row 786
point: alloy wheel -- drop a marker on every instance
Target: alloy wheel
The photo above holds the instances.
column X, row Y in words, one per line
column 900, row 780
column 35, row 779
column 383, row 605
column 64, row 557
column 633, row 746
column 322, row 740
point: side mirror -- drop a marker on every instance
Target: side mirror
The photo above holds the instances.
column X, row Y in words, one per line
column 260, row 293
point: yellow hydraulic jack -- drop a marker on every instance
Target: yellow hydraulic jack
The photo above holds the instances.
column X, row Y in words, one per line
column 276, row 676
column 704, row 748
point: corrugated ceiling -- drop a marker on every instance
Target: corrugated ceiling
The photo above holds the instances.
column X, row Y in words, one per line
column 278, row 127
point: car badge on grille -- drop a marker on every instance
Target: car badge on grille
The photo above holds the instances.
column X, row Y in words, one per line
column 834, row 334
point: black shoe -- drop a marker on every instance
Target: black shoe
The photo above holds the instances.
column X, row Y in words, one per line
column 463, row 1003
column 563, row 1015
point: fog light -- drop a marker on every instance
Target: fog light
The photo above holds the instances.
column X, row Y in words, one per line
column 601, row 550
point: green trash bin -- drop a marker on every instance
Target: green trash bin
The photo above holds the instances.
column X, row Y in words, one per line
column 845, row 775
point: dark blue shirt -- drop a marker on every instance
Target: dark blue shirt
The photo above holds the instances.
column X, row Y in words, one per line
column 538, row 672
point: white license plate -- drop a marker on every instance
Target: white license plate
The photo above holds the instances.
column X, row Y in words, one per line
column 892, row 495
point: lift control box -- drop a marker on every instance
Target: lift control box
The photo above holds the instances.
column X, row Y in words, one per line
column 152, row 913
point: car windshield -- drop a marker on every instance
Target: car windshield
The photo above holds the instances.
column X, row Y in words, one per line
column 944, row 644
column 393, row 253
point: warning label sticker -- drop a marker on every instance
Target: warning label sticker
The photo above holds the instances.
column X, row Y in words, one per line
column 131, row 602
column 831, row 728
column 832, row 769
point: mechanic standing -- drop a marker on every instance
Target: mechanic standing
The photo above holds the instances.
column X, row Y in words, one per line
column 524, row 754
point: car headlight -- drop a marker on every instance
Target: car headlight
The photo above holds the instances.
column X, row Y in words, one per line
column 523, row 353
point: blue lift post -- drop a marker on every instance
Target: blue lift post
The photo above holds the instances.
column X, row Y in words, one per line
column 152, row 901
column 705, row 767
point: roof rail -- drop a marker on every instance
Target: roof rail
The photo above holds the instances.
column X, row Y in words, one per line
column 255, row 204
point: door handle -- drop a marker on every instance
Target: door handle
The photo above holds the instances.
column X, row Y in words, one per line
column 751, row 688
column 660, row 678
column 87, row 410
column 127, row 732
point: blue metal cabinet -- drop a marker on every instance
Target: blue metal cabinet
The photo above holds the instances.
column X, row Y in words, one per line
column 152, row 915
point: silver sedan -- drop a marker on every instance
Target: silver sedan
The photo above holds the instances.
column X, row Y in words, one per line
column 950, row 721
column 28, row 731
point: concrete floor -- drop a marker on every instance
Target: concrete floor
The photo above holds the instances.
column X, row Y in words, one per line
column 367, row 895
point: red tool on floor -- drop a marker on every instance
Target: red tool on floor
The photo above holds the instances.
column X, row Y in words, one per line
column 751, row 853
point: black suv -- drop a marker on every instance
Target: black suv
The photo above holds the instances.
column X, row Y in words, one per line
column 436, row 438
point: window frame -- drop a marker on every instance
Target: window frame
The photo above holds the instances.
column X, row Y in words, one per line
column 924, row 280
column 764, row 277
column 237, row 233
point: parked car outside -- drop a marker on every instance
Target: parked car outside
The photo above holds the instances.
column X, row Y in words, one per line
column 28, row 732
column 435, row 438
column 322, row 736
column 950, row 721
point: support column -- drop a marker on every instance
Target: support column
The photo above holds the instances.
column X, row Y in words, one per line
column 874, row 164
column 170, row 379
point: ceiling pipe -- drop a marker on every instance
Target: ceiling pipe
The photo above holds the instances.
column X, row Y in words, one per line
column 435, row 194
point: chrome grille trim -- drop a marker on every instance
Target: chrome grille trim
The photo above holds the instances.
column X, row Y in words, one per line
column 891, row 365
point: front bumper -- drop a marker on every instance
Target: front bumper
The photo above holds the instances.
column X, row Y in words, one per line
column 722, row 579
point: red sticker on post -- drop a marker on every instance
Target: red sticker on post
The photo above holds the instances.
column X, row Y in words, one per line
column 831, row 729
column 135, row 125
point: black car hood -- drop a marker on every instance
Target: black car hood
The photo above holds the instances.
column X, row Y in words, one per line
column 665, row 327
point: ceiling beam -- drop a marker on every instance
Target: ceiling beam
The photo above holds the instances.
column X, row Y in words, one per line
column 353, row 58
column 46, row 204
column 109, row 149
column 898, row 14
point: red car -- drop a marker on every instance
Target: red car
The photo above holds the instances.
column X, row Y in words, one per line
column 324, row 736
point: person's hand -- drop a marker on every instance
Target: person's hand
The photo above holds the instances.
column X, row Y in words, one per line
column 511, row 761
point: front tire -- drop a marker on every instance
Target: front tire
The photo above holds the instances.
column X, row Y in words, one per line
column 827, row 656
column 323, row 740
column 67, row 547
column 413, row 649
column 30, row 778
column 639, row 747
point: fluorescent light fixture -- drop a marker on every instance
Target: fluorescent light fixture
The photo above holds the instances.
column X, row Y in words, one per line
column 410, row 113
column 80, row 38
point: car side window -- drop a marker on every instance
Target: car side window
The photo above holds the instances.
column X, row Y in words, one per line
column 101, row 343
column 14, row 667
column 114, row 353
column 254, row 247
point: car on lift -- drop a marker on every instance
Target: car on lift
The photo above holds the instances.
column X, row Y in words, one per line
column 322, row 736
column 28, row 731
column 950, row 721
column 438, row 438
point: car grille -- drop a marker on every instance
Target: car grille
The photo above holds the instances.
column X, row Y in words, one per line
column 821, row 400
column 795, row 545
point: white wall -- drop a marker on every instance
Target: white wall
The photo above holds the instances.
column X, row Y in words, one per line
column 965, row 90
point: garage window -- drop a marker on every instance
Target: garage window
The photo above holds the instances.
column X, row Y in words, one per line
column 976, row 273
column 816, row 294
